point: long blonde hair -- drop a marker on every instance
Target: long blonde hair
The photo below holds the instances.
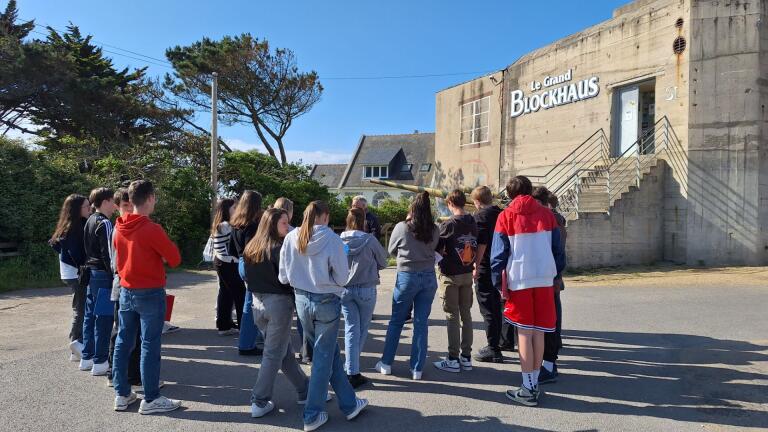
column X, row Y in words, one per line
column 266, row 238
column 314, row 210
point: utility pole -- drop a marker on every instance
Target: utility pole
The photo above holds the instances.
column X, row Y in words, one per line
column 214, row 142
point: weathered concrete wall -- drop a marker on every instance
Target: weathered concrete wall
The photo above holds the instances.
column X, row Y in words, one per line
column 470, row 165
column 726, row 148
column 633, row 46
column 632, row 234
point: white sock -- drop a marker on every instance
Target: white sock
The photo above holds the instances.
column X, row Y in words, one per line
column 535, row 379
column 548, row 365
column 528, row 380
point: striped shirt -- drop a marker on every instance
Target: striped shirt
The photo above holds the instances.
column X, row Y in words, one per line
column 221, row 243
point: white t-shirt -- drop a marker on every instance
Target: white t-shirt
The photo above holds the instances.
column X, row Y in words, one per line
column 67, row 271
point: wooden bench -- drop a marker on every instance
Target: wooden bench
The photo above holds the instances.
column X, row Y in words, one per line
column 9, row 249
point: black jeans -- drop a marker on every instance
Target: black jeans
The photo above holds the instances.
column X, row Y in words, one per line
column 78, row 309
column 231, row 293
column 134, row 363
column 497, row 331
column 553, row 342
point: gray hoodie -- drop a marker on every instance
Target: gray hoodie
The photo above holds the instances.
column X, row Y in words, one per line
column 412, row 255
column 366, row 257
column 323, row 269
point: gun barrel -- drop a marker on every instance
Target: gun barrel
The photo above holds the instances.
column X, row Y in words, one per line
column 434, row 192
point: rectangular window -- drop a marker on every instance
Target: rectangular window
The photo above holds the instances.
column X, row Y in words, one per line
column 406, row 168
column 475, row 118
column 425, row 167
column 376, row 172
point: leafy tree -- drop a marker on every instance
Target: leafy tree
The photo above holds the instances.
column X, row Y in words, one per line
column 260, row 172
column 256, row 85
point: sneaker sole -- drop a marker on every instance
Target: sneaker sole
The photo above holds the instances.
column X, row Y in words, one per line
column 448, row 370
column 263, row 413
column 526, row 402
column 158, row 410
column 466, row 368
column 100, row 373
column 125, row 407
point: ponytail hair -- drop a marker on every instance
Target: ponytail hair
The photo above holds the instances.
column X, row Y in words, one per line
column 314, row 210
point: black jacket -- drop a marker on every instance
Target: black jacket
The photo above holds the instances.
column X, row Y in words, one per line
column 97, row 240
column 240, row 237
column 486, row 224
column 457, row 245
column 262, row 278
column 70, row 248
column 372, row 225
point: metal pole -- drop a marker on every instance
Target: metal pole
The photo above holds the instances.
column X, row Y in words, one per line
column 214, row 141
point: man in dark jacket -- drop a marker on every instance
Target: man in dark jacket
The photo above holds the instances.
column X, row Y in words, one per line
column 99, row 310
column 372, row 224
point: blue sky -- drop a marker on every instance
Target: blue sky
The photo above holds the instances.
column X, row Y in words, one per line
column 340, row 39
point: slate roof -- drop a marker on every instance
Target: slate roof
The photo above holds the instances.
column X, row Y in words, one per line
column 329, row 174
column 393, row 150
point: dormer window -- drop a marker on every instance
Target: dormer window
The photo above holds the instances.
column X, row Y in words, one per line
column 376, row 172
column 406, row 168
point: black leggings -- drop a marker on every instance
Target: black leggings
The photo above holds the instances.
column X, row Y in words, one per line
column 231, row 293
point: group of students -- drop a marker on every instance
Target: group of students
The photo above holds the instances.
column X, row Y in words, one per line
column 117, row 278
column 268, row 270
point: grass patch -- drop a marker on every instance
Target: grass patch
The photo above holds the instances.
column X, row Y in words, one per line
column 24, row 272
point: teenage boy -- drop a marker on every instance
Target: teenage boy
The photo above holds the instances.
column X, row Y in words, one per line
column 97, row 323
column 488, row 298
column 526, row 245
column 553, row 342
column 142, row 248
column 458, row 246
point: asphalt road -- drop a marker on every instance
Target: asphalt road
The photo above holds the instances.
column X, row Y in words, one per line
column 661, row 356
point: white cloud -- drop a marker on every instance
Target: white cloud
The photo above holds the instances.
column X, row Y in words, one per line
column 307, row 157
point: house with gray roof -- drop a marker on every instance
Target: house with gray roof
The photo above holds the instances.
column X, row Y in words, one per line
column 407, row 159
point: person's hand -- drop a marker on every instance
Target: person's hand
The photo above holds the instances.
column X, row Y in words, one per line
column 475, row 274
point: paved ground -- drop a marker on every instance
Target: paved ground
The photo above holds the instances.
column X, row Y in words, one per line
column 655, row 352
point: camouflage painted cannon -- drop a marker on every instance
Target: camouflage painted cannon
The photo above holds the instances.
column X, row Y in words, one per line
column 437, row 193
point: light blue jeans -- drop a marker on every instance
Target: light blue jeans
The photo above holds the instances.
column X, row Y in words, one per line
column 417, row 290
column 357, row 304
column 141, row 310
column 250, row 336
column 319, row 315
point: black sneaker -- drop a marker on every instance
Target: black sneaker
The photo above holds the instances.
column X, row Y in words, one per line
column 508, row 347
column 546, row 376
column 252, row 352
column 489, row 355
column 357, row 380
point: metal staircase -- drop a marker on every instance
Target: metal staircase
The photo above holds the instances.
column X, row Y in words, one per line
column 589, row 179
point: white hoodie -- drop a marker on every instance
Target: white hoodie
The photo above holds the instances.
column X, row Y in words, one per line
column 323, row 269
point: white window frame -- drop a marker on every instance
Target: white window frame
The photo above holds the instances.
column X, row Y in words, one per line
column 473, row 131
column 382, row 169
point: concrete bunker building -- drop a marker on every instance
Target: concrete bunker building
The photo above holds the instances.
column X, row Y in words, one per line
column 650, row 126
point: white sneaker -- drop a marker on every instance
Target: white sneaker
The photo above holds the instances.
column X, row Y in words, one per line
column 169, row 328
column 416, row 375
column 448, row 365
column 122, row 402
column 100, row 369
column 321, row 419
column 466, row 363
column 73, row 358
column 361, row 403
column 383, row 369
column 328, row 398
column 77, row 350
column 257, row 411
column 85, row 365
column 159, row 405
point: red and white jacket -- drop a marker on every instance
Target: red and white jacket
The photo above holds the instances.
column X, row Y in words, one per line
column 526, row 244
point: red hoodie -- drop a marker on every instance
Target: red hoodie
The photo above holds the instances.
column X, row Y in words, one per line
column 141, row 246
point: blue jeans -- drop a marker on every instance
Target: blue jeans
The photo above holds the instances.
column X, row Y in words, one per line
column 140, row 310
column 357, row 305
column 319, row 315
column 250, row 336
column 417, row 290
column 97, row 329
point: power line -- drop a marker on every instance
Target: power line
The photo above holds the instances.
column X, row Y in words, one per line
column 154, row 61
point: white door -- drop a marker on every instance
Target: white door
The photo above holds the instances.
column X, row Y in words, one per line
column 629, row 100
